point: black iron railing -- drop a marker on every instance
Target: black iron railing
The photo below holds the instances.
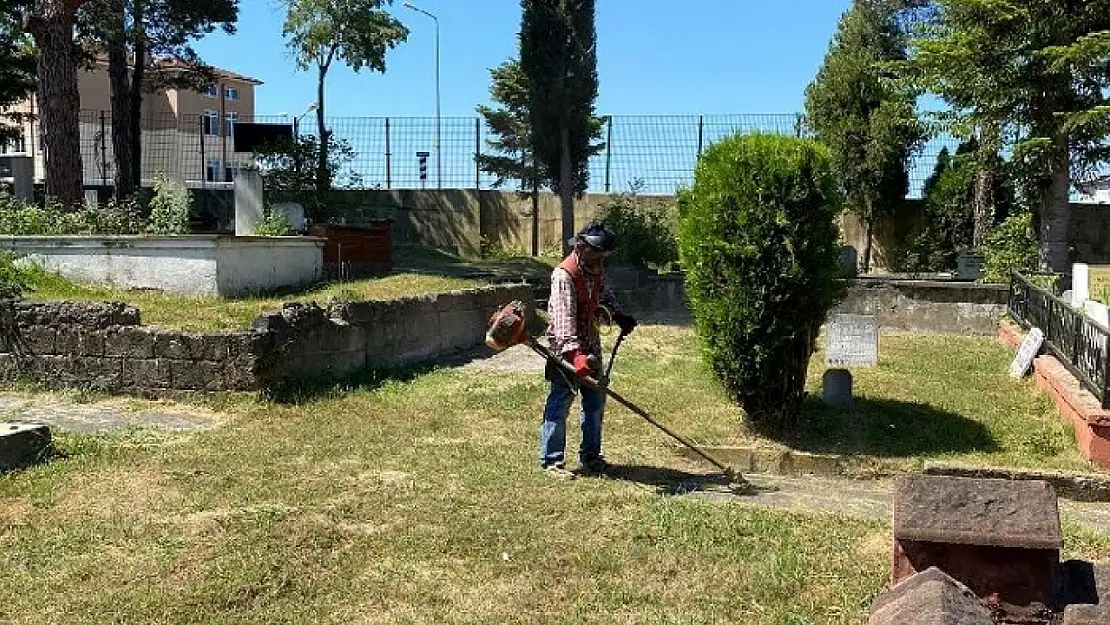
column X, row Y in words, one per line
column 1078, row 342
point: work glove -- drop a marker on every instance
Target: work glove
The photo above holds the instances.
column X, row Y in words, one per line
column 584, row 364
column 626, row 322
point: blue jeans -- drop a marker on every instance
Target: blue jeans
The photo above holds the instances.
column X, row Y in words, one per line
column 553, row 431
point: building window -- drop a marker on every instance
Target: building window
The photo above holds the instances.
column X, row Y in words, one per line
column 212, row 91
column 212, row 172
column 232, row 119
column 230, row 171
column 14, row 145
column 231, row 93
column 210, row 123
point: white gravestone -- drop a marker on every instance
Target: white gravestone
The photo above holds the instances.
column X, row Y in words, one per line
column 1080, row 283
column 1097, row 311
column 249, row 205
column 1029, row 349
column 852, row 341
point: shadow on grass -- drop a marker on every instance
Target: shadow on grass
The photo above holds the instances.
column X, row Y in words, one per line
column 887, row 429
column 326, row 386
column 665, row 480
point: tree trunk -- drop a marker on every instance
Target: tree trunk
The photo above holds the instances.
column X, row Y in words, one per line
column 1056, row 211
column 136, row 108
column 870, row 230
column 535, row 210
column 323, row 175
column 123, row 181
column 984, row 204
column 566, row 187
column 51, row 25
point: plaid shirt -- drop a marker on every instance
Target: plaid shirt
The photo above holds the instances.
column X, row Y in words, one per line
column 562, row 311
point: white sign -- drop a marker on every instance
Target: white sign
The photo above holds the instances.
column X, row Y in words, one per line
column 852, row 341
column 1080, row 283
column 1029, row 349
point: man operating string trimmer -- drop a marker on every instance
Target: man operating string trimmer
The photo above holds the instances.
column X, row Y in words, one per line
column 579, row 296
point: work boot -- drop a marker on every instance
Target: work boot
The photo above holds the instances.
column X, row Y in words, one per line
column 559, row 471
column 595, row 466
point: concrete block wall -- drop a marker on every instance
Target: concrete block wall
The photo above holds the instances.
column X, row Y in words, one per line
column 902, row 305
column 101, row 346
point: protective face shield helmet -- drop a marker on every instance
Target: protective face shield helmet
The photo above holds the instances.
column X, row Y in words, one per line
column 596, row 235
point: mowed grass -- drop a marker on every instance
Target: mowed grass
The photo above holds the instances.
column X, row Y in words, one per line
column 931, row 397
column 415, row 499
column 210, row 313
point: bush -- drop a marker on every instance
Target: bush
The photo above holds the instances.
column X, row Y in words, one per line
column 18, row 218
column 274, row 224
column 645, row 234
column 13, row 278
column 759, row 244
column 1012, row 245
column 169, row 208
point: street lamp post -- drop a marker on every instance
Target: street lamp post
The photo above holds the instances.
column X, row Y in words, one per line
column 439, row 159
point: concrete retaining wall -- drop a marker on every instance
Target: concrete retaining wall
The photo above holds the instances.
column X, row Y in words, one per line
column 102, row 346
column 902, row 305
column 190, row 265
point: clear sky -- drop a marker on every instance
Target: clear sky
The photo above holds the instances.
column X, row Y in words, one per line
column 743, row 64
column 654, row 57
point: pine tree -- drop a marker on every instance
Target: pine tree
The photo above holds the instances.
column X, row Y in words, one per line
column 868, row 122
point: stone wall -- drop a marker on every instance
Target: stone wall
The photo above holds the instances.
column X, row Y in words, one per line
column 349, row 336
column 901, row 305
column 102, row 346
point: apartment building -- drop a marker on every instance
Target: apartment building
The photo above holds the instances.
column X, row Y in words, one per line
column 184, row 133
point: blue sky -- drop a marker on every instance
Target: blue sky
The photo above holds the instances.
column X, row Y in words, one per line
column 709, row 56
column 743, row 64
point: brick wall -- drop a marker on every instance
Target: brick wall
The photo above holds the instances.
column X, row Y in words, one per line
column 102, row 346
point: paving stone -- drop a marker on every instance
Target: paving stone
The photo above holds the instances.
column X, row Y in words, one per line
column 929, row 598
column 22, row 444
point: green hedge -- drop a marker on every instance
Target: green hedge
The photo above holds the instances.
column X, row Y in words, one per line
column 759, row 244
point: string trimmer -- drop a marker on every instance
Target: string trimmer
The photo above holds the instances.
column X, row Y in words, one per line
column 507, row 329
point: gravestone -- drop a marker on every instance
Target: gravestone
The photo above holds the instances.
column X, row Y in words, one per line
column 19, row 171
column 1080, row 283
column 969, row 265
column 1000, row 538
column 22, row 444
column 931, row 597
column 1097, row 311
column 851, row 341
column 1028, row 351
column 836, row 388
column 248, row 201
column 849, row 260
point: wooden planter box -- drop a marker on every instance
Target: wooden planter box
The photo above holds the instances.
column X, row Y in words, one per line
column 357, row 250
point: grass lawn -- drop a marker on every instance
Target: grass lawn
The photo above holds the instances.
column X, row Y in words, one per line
column 415, row 499
column 931, row 397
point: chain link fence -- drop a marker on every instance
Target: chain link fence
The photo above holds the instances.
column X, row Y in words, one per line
column 656, row 153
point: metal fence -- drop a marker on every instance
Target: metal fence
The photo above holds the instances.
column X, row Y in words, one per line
column 659, row 152
column 1075, row 339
